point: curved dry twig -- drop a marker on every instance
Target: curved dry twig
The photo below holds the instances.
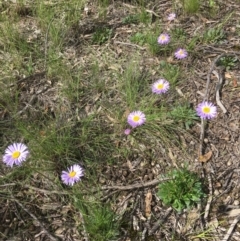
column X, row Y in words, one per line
column 138, row 185
column 36, row 219
column 205, row 98
column 219, row 86
column 231, row 228
column 210, row 198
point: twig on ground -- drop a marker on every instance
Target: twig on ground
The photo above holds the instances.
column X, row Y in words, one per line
column 130, row 44
column 46, row 191
column 159, row 222
column 219, row 86
column 209, row 75
column 205, row 98
column 36, row 219
column 202, row 136
column 146, row 228
column 210, row 198
column 231, row 228
column 138, row 185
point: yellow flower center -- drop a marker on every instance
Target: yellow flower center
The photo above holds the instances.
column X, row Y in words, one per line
column 163, row 37
column 160, row 86
column 72, row 174
column 181, row 52
column 16, row 154
column 136, row 118
column 206, row 110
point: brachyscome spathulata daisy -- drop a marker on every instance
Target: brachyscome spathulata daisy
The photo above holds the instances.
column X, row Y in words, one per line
column 15, row 154
column 160, row 86
column 171, row 16
column 164, row 38
column 181, row 53
column 72, row 175
column 136, row 118
column 206, row 110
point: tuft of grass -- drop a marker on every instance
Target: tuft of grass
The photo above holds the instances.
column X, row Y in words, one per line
column 191, row 6
column 131, row 19
column 182, row 191
column 99, row 220
column 183, row 114
column 139, row 38
column 228, row 62
column 178, row 34
column 170, row 72
column 104, row 3
column 101, row 35
column 142, row 17
column 213, row 35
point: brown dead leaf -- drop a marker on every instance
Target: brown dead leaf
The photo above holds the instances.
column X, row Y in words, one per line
column 228, row 75
column 235, row 84
column 130, row 166
column 126, row 113
column 206, row 157
column 148, row 200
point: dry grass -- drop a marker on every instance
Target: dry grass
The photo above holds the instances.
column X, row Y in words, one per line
column 71, row 72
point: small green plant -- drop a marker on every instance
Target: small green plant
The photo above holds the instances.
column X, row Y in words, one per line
column 213, row 35
column 212, row 3
column 144, row 16
column 228, row 62
column 183, row 114
column 213, row 8
column 183, row 190
column 179, row 33
column 100, row 221
column 170, row 72
column 191, row 6
column 132, row 18
column 103, row 3
column 101, row 35
column 138, row 38
column 153, row 45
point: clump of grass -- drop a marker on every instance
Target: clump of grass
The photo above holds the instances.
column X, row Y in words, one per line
column 184, row 114
column 170, row 72
column 228, row 62
column 100, row 221
column 141, row 17
column 213, row 35
column 139, row 38
column 182, row 191
column 178, row 34
column 131, row 19
column 103, row 3
column 101, row 35
column 191, row 6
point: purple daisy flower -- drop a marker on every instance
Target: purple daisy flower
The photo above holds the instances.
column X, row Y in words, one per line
column 127, row 131
column 171, row 16
column 15, row 154
column 160, row 86
column 206, row 110
column 164, row 38
column 72, row 175
column 136, row 118
column 181, row 53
